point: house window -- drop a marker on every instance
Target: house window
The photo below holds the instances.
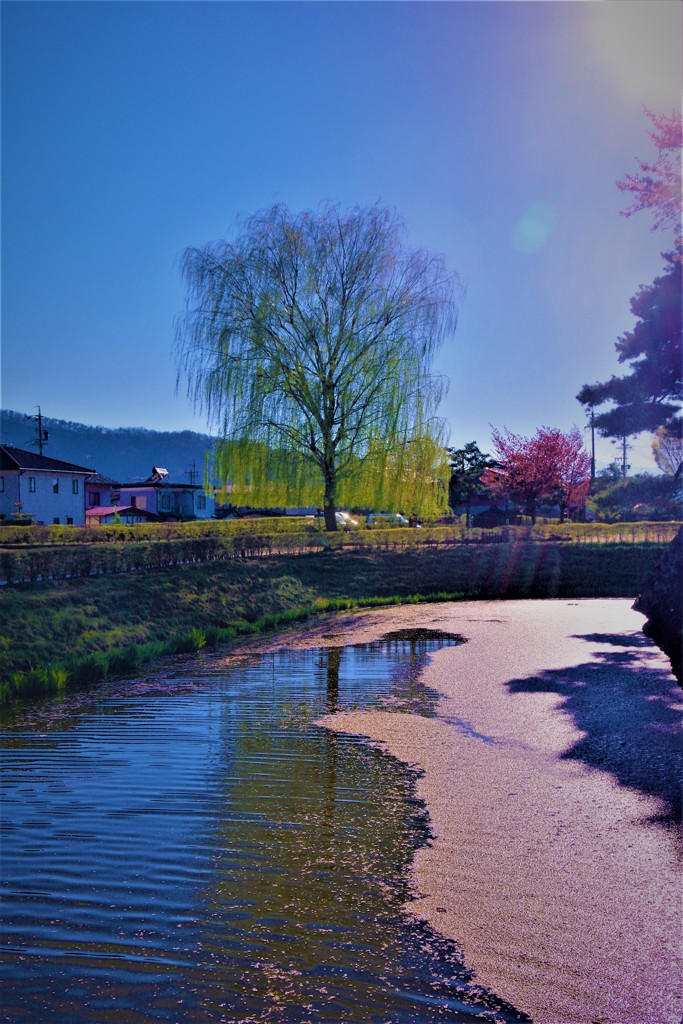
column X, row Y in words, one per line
column 166, row 501
column 32, row 485
column 74, row 486
column 201, row 501
column 2, row 483
column 55, row 485
column 133, row 501
column 69, row 521
column 56, row 520
column 95, row 497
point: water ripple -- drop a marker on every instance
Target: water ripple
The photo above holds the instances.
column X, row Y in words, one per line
column 193, row 849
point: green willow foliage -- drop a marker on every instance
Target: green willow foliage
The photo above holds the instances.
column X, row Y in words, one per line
column 308, row 342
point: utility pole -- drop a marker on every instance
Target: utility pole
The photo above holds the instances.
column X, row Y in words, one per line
column 591, row 426
column 41, row 435
column 624, row 449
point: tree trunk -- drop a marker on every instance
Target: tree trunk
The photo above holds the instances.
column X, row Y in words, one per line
column 329, row 504
column 333, row 660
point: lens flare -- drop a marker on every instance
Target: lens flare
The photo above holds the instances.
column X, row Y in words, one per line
column 534, row 228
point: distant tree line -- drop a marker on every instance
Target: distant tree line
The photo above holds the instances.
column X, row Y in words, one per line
column 552, row 467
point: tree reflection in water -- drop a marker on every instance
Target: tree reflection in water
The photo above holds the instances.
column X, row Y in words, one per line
column 196, row 850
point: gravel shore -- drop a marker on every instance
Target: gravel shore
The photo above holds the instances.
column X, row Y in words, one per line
column 551, row 779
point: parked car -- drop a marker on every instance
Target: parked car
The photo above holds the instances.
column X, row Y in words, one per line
column 383, row 519
column 344, row 521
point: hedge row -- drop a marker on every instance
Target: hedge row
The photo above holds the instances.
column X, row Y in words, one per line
column 291, row 526
column 58, row 561
column 61, row 562
column 122, row 533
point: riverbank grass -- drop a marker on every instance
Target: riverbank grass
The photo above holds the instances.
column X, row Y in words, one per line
column 65, row 633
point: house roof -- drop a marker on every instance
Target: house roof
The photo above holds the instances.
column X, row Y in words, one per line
column 110, row 510
column 100, row 478
column 12, row 458
column 160, row 485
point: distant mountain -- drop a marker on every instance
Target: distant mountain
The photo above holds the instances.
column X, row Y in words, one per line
column 127, row 454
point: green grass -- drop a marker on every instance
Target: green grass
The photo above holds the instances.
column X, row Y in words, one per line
column 74, row 632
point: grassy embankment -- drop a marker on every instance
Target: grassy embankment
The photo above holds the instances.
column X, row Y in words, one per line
column 58, row 633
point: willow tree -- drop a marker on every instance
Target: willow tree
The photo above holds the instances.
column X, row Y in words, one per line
column 307, row 341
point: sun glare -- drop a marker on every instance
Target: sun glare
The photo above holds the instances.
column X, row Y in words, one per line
column 639, row 45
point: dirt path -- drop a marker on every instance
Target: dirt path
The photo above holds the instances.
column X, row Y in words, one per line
column 550, row 778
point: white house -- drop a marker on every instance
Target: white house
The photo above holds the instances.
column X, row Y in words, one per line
column 48, row 490
column 168, row 500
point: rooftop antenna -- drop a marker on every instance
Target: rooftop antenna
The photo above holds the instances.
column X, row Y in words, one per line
column 41, row 435
column 192, row 473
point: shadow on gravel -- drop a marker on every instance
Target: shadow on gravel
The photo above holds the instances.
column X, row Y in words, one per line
column 629, row 713
column 617, row 639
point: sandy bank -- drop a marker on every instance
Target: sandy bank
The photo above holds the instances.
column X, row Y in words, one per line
column 550, row 778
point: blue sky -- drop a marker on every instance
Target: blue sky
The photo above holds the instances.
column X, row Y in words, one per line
column 497, row 130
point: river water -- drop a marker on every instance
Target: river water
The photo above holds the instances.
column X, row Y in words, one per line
column 191, row 847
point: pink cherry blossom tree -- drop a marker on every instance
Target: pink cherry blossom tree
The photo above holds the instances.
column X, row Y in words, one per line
column 551, row 465
column 657, row 186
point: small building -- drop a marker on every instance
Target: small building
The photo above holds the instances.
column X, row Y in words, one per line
column 99, row 515
column 45, row 489
column 168, row 500
column 100, row 490
column 494, row 516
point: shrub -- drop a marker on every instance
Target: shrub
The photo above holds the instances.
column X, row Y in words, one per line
column 91, row 669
